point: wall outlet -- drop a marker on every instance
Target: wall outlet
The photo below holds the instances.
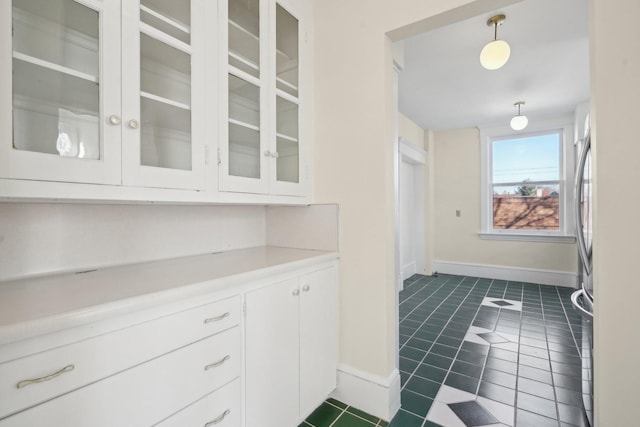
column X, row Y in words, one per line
column 458, row 213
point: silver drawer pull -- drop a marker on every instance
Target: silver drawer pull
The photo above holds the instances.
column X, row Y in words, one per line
column 218, row 363
column 47, row 378
column 219, row 419
column 217, row 319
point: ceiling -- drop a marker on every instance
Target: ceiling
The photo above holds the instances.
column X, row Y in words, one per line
column 443, row 85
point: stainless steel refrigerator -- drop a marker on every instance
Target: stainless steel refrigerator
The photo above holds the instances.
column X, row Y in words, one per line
column 582, row 299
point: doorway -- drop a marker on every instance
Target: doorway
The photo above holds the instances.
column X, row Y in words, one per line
column 411, row 189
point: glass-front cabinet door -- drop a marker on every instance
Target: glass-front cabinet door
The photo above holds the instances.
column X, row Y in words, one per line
column 59, row 111
column 163, row 94
column 260, row 142
column 286, row 164
column 243, row 138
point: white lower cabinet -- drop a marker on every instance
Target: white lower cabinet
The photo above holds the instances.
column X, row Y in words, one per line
column 185, row 364
column 318, row 338
column 147, row 393
column 220, row 409
column 291, row 348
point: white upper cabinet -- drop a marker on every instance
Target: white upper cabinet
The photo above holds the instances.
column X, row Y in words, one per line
column 261, row 150
column 60, row 90
column 163, row 90
column 140, row 99
column 104, row 92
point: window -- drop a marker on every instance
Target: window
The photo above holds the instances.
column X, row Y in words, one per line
column 524, row 191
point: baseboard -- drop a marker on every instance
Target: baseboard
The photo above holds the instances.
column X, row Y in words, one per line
column 529, row 275
column 375, row 395
column 409, row 270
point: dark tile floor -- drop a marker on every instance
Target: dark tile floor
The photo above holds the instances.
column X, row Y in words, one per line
column 480, row 352
column 336, row 414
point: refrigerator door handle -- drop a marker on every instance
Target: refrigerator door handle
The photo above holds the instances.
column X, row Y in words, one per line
column 582, row 246
column 578, row 307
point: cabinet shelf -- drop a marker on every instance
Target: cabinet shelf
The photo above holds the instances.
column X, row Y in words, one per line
column 241, row 39
column 165, row 101
column 169, row 21
column 165, row 38
column 287, row 84
column 55, row 67
column 244, row 125
column 287, row 137
column 244, row 61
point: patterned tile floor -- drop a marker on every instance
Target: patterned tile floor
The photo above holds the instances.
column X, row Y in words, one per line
column 480, row 352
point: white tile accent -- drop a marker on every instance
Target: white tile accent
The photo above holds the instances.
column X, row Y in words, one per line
column 448, row 394
column 504, row 413
column 472, row 335
column 441, row 414
column 515, row 305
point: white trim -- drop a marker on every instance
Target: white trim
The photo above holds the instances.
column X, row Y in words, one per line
column 370, row 393
column 546, row 238
column 411, row 153
column 409, row 270
column 528, row 275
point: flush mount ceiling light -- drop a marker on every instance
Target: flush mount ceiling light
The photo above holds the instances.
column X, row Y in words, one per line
column 519, row 122
column 496, row 53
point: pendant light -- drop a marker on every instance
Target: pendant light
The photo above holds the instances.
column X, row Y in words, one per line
column 496, row 53
column 519, row 122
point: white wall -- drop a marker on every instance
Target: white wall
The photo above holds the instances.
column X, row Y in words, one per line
column 409, row 131
column 43, row 238
column 353, row 156
column 457, row 187
column 615, row 89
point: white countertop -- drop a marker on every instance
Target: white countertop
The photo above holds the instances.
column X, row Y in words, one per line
column 34, row 306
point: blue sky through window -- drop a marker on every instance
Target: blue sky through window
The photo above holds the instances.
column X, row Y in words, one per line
column 532, row 158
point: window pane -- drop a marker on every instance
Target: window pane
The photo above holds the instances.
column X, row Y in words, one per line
column 526, row 207
column 533, row 158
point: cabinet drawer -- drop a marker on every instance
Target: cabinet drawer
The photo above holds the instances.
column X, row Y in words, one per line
column 99, row 357
column 145, row 394
column 219, row 409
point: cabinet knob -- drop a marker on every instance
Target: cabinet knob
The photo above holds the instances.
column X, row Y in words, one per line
column 306, row 288
column 295, row 292
column 114, row 119
column 267, row 153
column 275, row 154
column 134, row 124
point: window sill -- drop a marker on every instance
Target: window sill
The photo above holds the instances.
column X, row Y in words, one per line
column 521, row 237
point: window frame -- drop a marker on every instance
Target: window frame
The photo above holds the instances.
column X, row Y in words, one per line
column 564, row 127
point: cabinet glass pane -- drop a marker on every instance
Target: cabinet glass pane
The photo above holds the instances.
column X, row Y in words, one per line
column 244, row 101
column 56, row 101
column 244, row 35
column 244, row 151
column 172, row 17
column 288, row 162
column 165, row 91
column 165, row 135
column 244, row 128
column 165, row 71
column 286, row 51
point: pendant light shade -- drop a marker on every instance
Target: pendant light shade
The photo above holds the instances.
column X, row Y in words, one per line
column 519, row 122
column 496, row 53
